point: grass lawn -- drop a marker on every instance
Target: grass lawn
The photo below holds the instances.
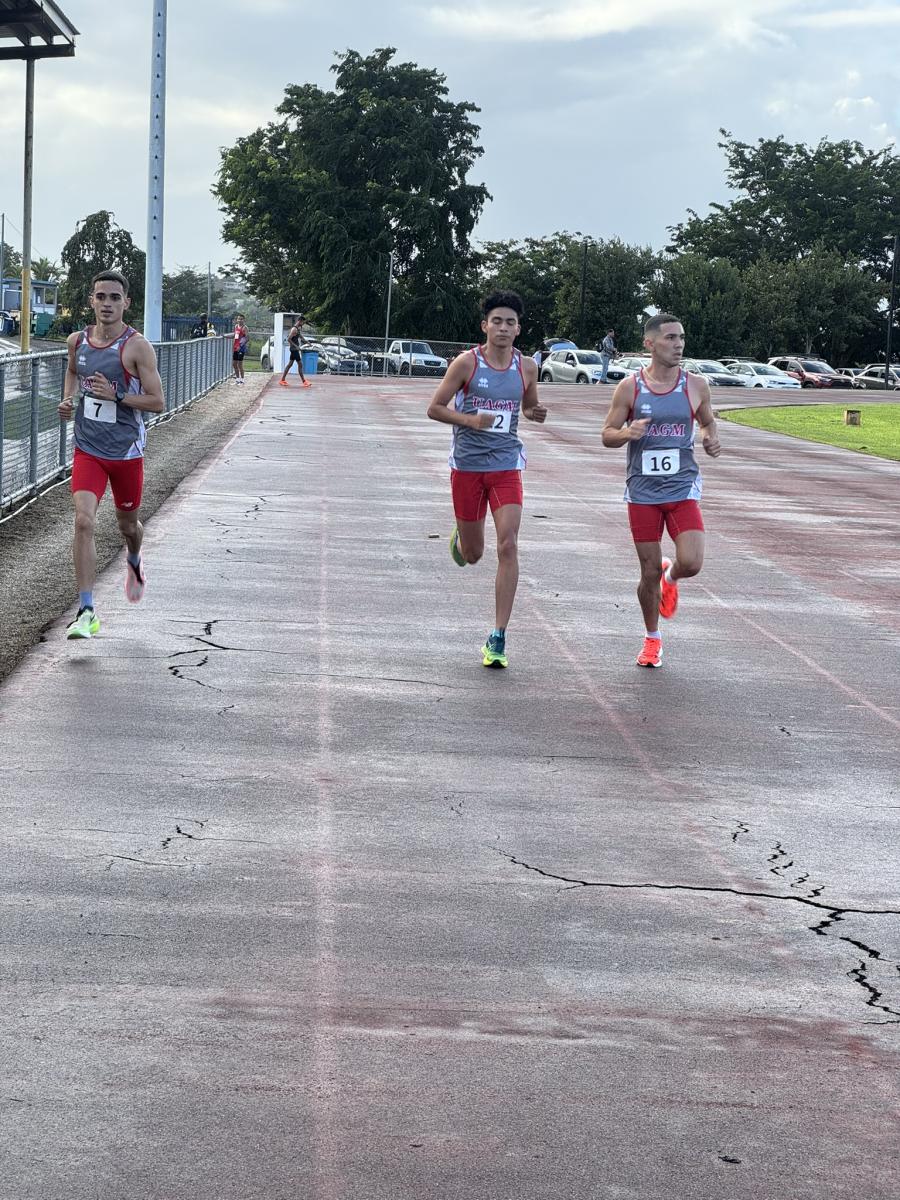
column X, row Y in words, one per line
column 879, row 433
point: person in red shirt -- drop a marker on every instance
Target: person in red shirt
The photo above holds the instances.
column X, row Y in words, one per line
column 239, row 349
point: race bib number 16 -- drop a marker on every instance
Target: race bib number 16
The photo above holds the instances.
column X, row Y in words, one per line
column 660, row 462
column 501, row 420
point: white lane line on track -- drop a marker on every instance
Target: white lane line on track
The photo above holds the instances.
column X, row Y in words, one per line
column 857, row 697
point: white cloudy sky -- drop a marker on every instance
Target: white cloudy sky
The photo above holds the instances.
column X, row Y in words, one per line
column 597, row 115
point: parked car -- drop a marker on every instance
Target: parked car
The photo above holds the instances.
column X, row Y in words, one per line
column 572, row 366
column 761, row 375
column 872, row 378
column 629, row 364
column 851, row 374
column 335, row 360
column 414, row 358
column 811, row 372
column 714, row 372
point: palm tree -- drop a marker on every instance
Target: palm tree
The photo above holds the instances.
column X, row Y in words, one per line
column 45, row 268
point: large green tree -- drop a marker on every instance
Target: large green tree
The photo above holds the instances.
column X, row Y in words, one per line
column 612, row 278
column 707, row 297
column 99, row 244
column 316, row 201
column 793, row 197
column 533, row 268
column 185, row 292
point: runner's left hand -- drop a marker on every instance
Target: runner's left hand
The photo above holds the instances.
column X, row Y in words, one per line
column 712, row 447
column 538, row 413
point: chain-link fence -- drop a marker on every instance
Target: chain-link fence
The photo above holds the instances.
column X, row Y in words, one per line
column 370, row 357
column 36, row 446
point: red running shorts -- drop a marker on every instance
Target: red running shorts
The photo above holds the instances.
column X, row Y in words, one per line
column 474, row 490
column 647, row 521
column 124, row 475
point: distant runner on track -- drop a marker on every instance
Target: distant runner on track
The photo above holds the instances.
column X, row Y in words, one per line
column 481, row 397
column 653, row 414
column 111, row 380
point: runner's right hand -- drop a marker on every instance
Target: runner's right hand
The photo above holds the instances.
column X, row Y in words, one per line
column 484, row 420
column 637, row 429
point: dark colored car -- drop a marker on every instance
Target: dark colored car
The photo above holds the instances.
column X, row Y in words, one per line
column 714, row 372
column 812, row 372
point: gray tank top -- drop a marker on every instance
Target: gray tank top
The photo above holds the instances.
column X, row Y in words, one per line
column 104, row 428
column 661, row 467
column 498, row 392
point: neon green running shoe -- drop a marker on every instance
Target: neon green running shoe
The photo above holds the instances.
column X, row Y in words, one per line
column 494, row 651
column 455, row 552
column 85, row 625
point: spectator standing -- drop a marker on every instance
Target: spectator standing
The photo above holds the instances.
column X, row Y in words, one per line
column 607, row 351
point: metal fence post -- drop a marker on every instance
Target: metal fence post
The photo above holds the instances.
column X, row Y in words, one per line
column 63, row 425
column 35, row 422
column 2, row 422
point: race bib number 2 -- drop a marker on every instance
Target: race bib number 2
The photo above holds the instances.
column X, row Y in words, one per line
column 501, row 420
column 660, row 462
column 96, row 409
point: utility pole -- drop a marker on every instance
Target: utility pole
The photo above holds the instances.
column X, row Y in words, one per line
column 156, row 177
column 209, row 291
column 583, row 291
column 387, row 322
column 892, row 308
column 25, row 306
column 2, row 253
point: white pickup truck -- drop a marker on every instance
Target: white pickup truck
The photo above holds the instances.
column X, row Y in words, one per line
column 414, row 358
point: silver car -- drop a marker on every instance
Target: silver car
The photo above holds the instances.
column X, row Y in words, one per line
column 872, row 378
column 572, row 366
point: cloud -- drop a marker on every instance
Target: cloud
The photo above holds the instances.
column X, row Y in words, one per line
column 579, row 20
column 846, row 18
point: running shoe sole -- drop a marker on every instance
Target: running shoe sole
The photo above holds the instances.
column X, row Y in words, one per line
column 491, row 659
column 668, row 593
column 134, row 587
column 454, row 548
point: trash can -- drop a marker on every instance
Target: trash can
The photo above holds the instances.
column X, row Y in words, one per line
column 310, row 361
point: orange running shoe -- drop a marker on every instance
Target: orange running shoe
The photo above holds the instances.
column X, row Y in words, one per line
column 282, row 383
column 651, row 654
column 306, row 383
column 668, row 599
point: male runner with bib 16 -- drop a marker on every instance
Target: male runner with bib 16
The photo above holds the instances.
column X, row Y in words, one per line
column 481, row 397
column 653, row 414
column 111, row 379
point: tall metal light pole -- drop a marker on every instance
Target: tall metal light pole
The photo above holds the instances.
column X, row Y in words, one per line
column 892, row 308
column 387, row 320
column 25, row 306
column 583, row 290
column 156, row 177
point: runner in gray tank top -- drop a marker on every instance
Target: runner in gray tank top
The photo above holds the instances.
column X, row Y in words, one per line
column 481, row 397
column 653, row 414
column 111, row 380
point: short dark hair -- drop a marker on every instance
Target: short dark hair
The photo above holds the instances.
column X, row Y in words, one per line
column 658, row 321
column 503, row 300
column 113, row 276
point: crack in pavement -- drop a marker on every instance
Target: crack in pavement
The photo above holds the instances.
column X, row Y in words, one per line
column 835, row 913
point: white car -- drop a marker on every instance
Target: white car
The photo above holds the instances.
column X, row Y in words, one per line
column 762, row 375
column 414, row 358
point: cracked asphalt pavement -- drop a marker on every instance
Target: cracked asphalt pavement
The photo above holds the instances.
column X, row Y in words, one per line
column 300, row 901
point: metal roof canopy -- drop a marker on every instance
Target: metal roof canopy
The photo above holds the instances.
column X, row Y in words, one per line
column 39, row 26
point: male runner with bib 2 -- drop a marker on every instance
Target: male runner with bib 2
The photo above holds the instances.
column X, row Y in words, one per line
column 481, row 397
column 111, row 379
column 653, row 414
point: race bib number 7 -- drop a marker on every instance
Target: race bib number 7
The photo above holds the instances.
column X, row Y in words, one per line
column 96, row 409
column 660, row 462
column 502, row 420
